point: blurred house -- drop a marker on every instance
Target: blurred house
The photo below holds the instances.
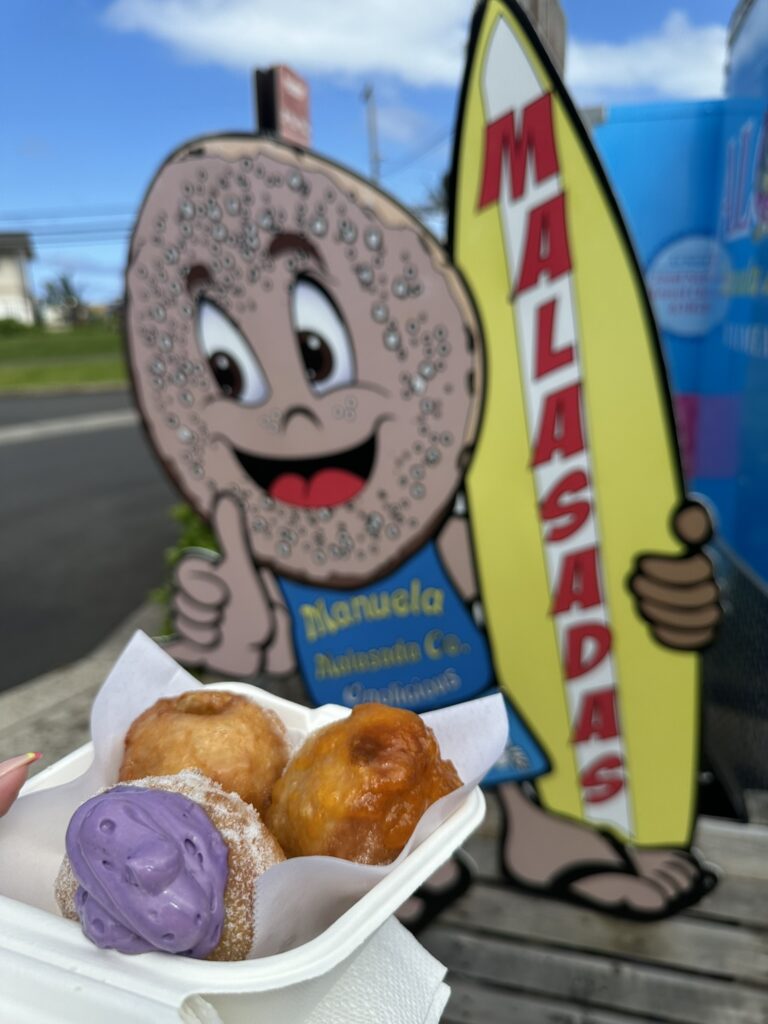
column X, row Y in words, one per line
column 16, row 302
column 52, row 316
column 62, row 305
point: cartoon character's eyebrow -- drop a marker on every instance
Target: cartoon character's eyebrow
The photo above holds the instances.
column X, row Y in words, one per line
column 198, row 277
column 288, row 242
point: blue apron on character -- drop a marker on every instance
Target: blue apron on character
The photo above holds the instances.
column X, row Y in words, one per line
column 408, row 640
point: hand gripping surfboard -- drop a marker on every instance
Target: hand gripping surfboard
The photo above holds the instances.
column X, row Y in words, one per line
column 576, row 471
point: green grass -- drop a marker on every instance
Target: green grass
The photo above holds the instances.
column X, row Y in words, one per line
column 33, row 358
column 51, row 375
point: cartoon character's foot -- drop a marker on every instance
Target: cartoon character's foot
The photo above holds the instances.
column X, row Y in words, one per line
column 567, row 860
column 441, row 889
column 678, row 872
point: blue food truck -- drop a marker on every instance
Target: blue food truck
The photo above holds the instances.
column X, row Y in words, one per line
column 693, row 180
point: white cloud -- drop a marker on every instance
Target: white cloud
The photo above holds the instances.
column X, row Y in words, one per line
column 680, row 61
column 403, row 125
column 419, row 41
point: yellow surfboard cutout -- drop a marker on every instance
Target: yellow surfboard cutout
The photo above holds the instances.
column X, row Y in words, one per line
column 576, row 472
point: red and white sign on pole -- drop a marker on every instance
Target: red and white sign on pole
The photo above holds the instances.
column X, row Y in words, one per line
column 282, row 98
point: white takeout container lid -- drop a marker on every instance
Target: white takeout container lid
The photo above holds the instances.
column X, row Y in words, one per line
column 30, row 934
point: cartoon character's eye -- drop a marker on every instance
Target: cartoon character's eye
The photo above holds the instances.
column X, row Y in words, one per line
column 324, row 341
column 230, row 357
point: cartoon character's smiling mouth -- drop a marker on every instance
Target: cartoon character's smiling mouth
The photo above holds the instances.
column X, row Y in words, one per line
column 313, row 483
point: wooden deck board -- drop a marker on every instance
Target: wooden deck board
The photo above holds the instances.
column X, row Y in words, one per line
column 702, row 947
column 472, row 1003
column 517, row 958
column 596, row 982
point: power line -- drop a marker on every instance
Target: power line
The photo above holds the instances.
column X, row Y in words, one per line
column 69, row 213
column 89, row 232
column 408, row 161
column 80, row 230
column 47, row 234
column 112, row 239
column 66, row 226
column 113, row 210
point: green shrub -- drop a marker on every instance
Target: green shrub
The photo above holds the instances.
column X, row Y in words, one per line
column 194, row 533
column 10, row 327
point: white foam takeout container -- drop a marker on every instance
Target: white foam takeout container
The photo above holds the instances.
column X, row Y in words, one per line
column 30, row 934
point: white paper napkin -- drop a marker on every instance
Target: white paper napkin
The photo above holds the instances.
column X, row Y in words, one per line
column 391, row 979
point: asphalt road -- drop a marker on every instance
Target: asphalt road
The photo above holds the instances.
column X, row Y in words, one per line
column 17, row 409
column 83, row 526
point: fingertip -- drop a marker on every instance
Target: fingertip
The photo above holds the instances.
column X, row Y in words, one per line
column 683, row 640
column 19, row 763
column 229, row 523
column 227, row 504
column 693, row 524
column 13, row 775
column 227, row 499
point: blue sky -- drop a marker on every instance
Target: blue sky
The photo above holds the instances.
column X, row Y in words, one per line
column 97, row 92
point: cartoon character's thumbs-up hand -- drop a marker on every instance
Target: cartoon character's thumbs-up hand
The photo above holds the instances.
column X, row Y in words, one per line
column 678, row 595
column 221, row 612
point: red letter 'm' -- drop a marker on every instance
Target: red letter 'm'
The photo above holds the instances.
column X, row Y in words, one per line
column 502, row 140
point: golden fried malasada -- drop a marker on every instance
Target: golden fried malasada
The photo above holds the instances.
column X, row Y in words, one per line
column 225, row 736
column 357, row 788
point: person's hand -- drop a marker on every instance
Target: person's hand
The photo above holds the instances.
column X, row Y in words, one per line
column 13, row 775
column 222, row 615
column 677, row 594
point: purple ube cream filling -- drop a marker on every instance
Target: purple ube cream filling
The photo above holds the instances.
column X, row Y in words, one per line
column 152, row 871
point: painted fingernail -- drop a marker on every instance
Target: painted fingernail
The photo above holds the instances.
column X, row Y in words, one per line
column 22, row 761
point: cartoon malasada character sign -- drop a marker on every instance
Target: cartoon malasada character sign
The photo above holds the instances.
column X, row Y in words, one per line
column 323, row 381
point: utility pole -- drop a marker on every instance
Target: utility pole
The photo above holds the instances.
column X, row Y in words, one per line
column 548, row 19
column 373, row 134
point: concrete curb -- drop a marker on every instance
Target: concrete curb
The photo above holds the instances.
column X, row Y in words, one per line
column 52, row 712
column 97, row 388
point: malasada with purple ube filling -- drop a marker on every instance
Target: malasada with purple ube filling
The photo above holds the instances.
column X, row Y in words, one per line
column 167, row 863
